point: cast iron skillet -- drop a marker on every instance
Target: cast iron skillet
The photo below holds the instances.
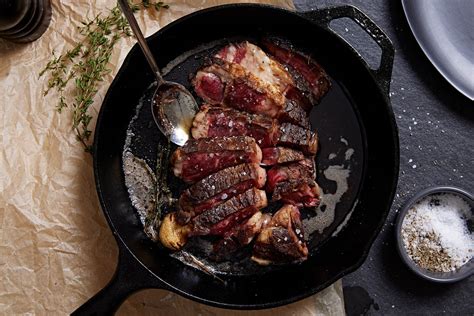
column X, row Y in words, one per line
column 357, row 110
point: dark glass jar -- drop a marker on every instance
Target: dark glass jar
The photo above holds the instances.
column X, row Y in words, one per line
column 24, row 20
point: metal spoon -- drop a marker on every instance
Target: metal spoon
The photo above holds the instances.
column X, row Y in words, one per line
column 173, row 106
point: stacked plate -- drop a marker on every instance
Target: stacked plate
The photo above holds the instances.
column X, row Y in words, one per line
column 24, row 20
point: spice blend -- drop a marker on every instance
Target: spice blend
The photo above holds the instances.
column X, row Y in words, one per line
column 436, row 233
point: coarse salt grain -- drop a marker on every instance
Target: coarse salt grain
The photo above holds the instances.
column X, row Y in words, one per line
column 435, row 232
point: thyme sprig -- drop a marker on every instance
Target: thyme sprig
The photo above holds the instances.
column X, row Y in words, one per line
column 163, row 196
column 86, row 64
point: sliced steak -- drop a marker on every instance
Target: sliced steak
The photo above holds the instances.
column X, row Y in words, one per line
column 253, row 59
column 228, row 84
column 309, row 76
column 299, row 138
column 277, row 155
column 199, row 158
column 210, row 85
column 302, row 192
column 218, row 122
column 294, row 113
column 282, row 240
column 218, row 219
column 297, row 97
column 240, row 236
column 296, row 170
column 189, row 210
column 231, row 221
column 253, row 82
column 221, row 186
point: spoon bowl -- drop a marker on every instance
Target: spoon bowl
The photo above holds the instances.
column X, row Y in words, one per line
column 173, row 106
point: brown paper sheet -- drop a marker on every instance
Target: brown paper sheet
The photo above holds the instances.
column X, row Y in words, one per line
column 56, row 249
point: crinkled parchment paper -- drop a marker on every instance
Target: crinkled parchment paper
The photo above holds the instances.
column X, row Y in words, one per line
column 56, row 249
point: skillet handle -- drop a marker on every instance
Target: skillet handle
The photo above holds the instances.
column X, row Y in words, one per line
column 130, row 276
column 384, row 73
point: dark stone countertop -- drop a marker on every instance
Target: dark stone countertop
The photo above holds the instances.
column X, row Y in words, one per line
column 436, row 129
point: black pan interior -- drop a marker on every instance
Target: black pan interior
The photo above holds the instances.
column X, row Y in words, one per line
column 355, row 110
column 337, row 134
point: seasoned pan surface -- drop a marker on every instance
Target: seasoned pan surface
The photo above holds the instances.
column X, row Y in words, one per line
column 356, row 115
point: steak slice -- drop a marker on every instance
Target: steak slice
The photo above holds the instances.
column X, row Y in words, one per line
column 299, row 138
column 294, row 113
column 253, row 59
column 282, row 240
column 308, row 75
column 252, row 82
column 294, row 183
column 296, row 96
column 277, row 155
column 219, row 122
column 230, row 85
column 210, row 83
column 240, row 236
column 199, row 158
column 221, row 186
column 219, row 218
column 302, row 192
column 296, row 170
column 231, row 221
column 190, row 210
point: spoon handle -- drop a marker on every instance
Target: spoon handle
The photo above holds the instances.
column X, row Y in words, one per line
column 141, row 39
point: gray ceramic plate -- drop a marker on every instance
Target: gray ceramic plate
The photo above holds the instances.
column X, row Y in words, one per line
column 441, row 277
column 445, row 32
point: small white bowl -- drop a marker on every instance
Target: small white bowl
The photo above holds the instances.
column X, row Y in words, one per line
column 440, row 277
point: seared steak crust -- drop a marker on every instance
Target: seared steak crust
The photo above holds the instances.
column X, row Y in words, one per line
column 219, row 122
column 308, row 75
column 277, row 155
column 199, row 158
column 300, row 192
column 299, row 138
column 252, row 198
column 244, row 77
column 282, row 240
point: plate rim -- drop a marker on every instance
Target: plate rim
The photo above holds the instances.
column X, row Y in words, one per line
column 428, row 54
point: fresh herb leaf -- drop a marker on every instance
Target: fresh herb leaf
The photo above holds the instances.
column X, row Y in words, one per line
column 86, row 64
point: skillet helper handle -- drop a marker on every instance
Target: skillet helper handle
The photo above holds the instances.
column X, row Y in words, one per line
column 384, row 73
column 130, row 277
